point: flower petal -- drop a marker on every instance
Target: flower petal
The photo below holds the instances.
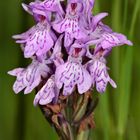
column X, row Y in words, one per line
column 100, row 76
column 32, row 85
column 53, row 5
column 46, row 94
column 15, row 72
column 67, row 40
column 96, row 19
column 30, row 77
column 113, row 84
column 84, row 82
column 39, row 43
column 70, row 74
column 38, row 40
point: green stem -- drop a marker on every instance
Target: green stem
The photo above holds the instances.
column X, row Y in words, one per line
column 84, row 135
column 71, row 132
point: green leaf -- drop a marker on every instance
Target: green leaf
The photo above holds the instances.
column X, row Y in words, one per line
column 125, row 80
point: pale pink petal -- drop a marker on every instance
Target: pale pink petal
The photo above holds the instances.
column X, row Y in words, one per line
column 15, row 72
column 70, row 74
column 84, row 82
column 46, row 94
column 30, row 77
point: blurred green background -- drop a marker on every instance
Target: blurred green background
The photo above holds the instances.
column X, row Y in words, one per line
column 117, row 116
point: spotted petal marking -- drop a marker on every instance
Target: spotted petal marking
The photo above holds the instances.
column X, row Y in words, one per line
column 38, row 40
column 30, row 77
column 114, row 39
column 71, row 26
column 110, row 40
column 46, row 94
column 100, row 76
column 71, row 74
column 68, row 40
column 105, row 39
column 19, row 84
column 53, row 5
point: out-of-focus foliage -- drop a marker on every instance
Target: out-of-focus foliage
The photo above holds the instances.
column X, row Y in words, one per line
column 117, row 115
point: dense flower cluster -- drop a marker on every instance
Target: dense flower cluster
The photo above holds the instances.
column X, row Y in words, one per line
column 68, row 47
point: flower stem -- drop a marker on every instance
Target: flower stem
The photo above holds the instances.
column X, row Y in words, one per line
column 84, row 135
column 64, row 117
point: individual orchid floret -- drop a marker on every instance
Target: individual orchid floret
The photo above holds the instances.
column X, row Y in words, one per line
column 47, row 93
column 38, row 14
column 38, row 40
column 30, row 77
column 104, row 38
column 72, row 24
column 98, row 71
column 52, row 6
column 30, row 8
column 40, row 9
column 70, row 74
column 110, row 40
